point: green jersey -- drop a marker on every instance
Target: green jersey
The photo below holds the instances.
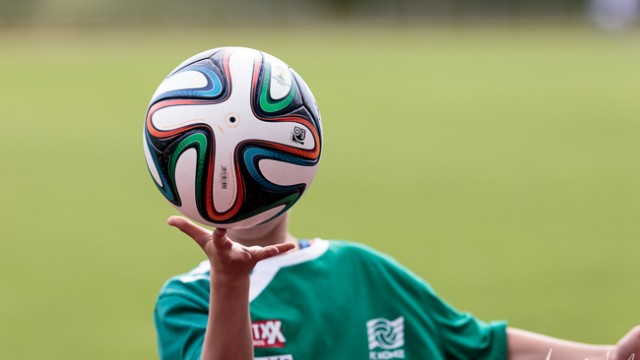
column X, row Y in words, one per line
column 331, row 300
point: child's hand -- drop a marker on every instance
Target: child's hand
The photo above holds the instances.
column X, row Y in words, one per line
column 628, row 347
column 229, row 260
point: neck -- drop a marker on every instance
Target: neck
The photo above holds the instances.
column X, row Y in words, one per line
column 270, row 233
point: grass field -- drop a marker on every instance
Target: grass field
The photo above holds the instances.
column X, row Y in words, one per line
column 501, row 164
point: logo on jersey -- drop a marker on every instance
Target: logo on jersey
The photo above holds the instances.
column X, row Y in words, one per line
column 275, row 357
column 267, row 334
column 386, row 338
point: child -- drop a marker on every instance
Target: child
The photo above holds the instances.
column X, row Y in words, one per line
column 263, row 294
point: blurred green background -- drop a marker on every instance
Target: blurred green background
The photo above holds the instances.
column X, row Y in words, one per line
column 498, row 160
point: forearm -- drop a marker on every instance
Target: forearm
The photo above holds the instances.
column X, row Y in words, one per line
column 228, row 333
column 524, row 345
column 229, row 325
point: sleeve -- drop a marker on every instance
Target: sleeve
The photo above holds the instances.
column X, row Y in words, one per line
column 465, row 337
column 459, row 335
column 181, row 320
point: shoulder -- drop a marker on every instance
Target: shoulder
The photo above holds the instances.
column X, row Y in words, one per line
column 191, row 287
column 381, row 273
column 344, row 247
column 360, row 252
column 199, row 273
column 367, row 259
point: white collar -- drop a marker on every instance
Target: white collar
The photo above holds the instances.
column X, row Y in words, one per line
column 267, row 269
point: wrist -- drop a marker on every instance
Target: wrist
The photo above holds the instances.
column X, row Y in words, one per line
column 229, row 282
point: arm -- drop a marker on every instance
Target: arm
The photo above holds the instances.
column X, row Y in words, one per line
column 229, row 324
column 524, row 345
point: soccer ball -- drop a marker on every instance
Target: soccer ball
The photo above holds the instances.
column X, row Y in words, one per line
column 233, row 137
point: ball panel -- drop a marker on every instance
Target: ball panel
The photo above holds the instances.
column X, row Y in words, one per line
column 286, row 174
column 263, row 102
column 157, row 162
column 197, row 57
column 276, row 78
column 201, row 80
column 151, row 165
column 186, row 79
column 309, row 102
column 280, row 81
column 186, row 180
column 257, row 219
column 254, row 156
column 179, row 115
column 184, row 149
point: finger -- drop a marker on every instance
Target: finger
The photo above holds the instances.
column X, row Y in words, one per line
column 220, row 239
column 199, row 234
column 283, row 248
column 266, row 252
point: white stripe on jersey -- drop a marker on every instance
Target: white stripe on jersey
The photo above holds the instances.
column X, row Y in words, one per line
column 265, row 270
